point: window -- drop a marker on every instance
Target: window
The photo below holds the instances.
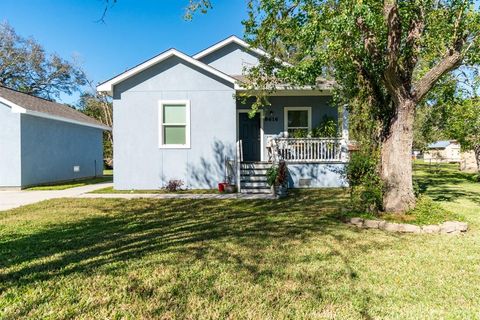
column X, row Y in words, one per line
column 174, row 124
column 298, row 120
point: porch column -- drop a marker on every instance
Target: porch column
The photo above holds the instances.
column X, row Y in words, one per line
column 345, row 136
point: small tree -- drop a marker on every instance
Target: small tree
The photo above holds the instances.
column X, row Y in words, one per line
column 99, row 106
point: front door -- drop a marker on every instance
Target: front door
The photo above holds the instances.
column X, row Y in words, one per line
column 249, row 133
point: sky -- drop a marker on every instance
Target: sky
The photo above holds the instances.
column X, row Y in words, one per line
column 133, row 31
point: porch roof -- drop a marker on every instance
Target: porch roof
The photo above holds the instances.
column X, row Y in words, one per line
column 322, row 87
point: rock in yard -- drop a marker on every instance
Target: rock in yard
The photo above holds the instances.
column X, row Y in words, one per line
column 392, row 227
column 431, row 229
column 357, row 222
column 410, row 228
column 462, row 226
column 453, row 227
column 371, row 224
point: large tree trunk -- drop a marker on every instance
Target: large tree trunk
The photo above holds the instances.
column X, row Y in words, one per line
column 396, row 161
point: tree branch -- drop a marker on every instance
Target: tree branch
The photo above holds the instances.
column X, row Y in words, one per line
column 369, row 39
column 451, row 61
column 393, row 71
column 412, row 46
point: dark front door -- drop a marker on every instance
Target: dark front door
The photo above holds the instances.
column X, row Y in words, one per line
column 249, row 131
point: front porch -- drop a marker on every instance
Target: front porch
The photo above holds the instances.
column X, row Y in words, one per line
column 291, row 130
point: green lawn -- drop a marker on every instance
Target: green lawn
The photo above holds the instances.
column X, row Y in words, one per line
column 107, row 177
column 235, row 259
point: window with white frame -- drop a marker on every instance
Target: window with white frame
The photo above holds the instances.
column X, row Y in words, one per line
column 298, row 120
column 174, row 119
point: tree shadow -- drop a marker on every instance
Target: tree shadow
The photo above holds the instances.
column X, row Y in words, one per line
column 208, row 172
column 126, row 230
column 442, row 183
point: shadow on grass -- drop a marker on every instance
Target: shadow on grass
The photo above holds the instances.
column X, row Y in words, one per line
column 124, row 230
column 443, row 182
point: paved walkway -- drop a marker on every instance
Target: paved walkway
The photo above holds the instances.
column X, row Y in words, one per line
column 176, row 196
column 14, row 199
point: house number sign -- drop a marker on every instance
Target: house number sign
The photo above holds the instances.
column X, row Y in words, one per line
column 271, row 119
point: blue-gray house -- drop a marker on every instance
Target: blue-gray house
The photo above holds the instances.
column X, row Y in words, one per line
column 177, row 117
column 43, row 142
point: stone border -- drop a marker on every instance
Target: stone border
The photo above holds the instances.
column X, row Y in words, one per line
column 449, row 227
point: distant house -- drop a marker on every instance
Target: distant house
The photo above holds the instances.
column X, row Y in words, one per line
column 43, row 142
column 443, row 151
column 469, row 162
column 176, row 117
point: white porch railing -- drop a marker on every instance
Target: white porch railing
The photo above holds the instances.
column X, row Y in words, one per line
column 309, row 149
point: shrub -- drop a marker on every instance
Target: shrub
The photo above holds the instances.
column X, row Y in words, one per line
column 174, row 185
column 277, row 174
column 272, row 174
column 327, row 128
column 365, row 184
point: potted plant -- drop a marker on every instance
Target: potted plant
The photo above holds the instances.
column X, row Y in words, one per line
column 230, row 188
column 277, row 178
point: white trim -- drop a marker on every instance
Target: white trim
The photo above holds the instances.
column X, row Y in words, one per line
column 186, row 103
column 223, row 43
column 108, row 85
column 17, row 109
column 240, row 42
column 285, row 116
column 262, row 132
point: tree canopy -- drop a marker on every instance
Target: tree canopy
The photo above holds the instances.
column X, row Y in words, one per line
column 26, row 67
column 385, row 56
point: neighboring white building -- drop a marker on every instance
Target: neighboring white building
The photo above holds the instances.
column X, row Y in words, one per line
column 443, row 151
column 469, row 163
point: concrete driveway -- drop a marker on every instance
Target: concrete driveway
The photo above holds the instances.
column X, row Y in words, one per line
column 15, row 199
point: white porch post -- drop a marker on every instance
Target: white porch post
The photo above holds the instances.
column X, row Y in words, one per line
column 345, row 136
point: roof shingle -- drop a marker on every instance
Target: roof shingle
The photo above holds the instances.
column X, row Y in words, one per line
column 36, row 104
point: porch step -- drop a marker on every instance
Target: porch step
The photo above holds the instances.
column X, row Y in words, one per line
column 253, row 177
column 262, row 185
column 253, row 172
column 255, row 165
column 256, row 191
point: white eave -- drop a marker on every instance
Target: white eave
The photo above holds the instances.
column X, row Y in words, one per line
column 18, row 109
column 108, row 85
column 240, row 42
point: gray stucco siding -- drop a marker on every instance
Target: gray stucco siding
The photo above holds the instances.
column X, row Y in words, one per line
column 50, row 149
column 317, row 175
column 140, row 163
column 10, row 169
column 231, row 59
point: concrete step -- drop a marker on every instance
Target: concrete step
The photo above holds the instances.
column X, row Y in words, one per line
column 255, row 185
column 252, row 172
column 255, row 165
column 255, row 191
column 253, row 178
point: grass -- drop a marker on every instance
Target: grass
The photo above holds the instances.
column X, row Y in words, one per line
column 235, row 259
column 107, row 177
column 110, row 190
